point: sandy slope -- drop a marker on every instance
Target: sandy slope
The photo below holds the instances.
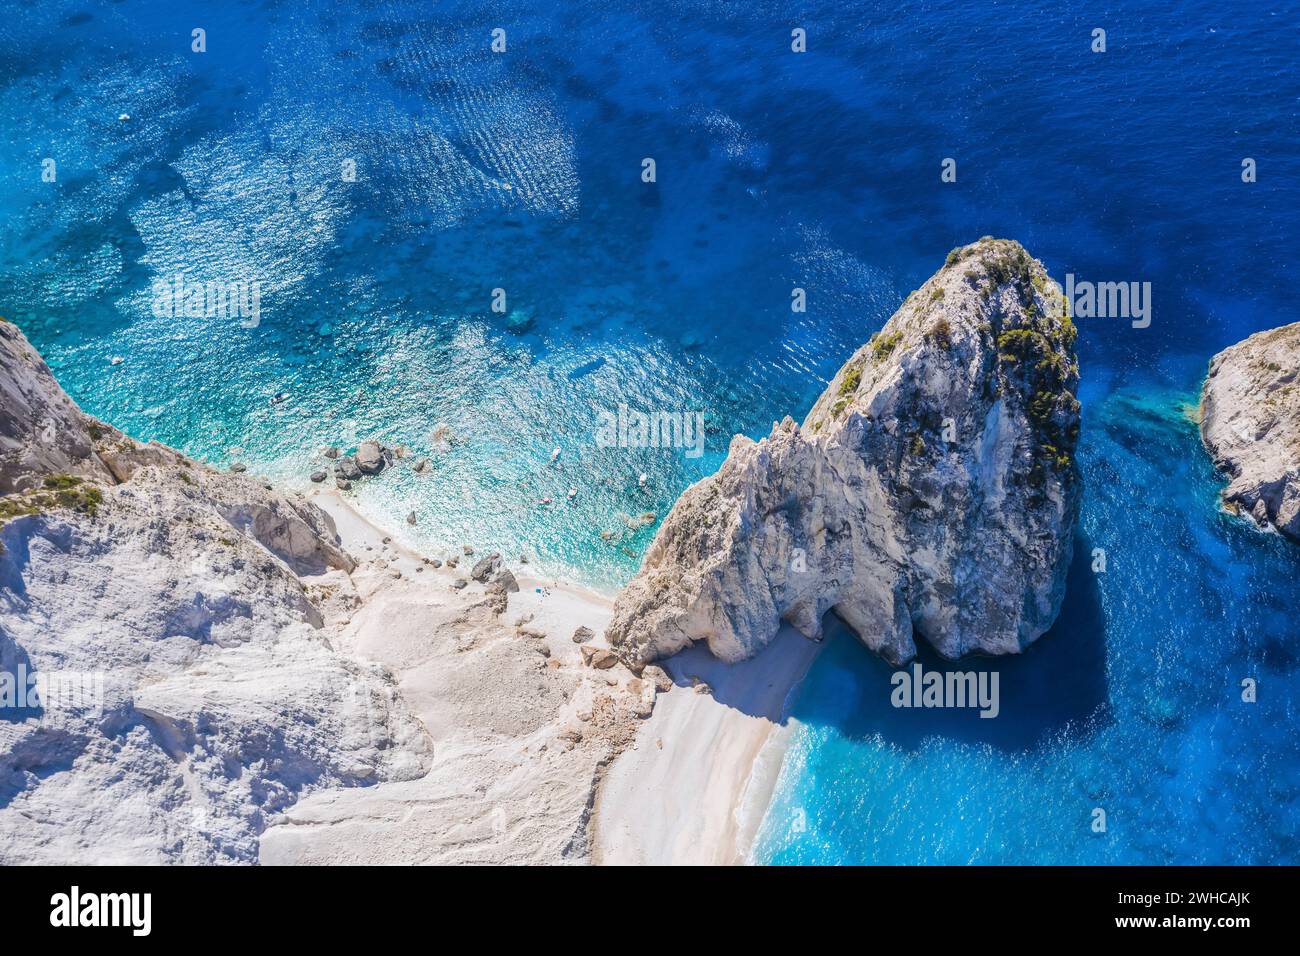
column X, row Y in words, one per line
column 521, row 734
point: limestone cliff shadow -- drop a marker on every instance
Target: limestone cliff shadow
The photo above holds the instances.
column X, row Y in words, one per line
column 759, row 686
column 1059, row 682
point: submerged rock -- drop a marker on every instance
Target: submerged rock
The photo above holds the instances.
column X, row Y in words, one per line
column 1250, row 423
column 930, row 491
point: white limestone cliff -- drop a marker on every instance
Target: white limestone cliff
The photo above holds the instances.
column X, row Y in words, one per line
column 1250, row 423
column 246, row 676
column 931, row 491
column 198, row 694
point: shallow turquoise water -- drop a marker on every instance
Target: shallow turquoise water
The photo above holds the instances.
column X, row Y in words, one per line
column 774, row 170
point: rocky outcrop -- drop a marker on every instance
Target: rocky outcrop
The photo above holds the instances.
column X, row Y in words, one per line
column 182, row 609
column 1250, row 422
column 42, row 431
column 930, row 491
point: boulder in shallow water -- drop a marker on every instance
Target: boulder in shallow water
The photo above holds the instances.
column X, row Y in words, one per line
column 370, row 457
column 347, row 469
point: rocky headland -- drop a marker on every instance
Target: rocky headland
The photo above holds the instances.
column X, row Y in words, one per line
column 1250, row 423
column 931, row 491
column 226, row 673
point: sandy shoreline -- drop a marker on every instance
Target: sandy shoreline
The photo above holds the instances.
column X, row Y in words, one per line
column 689, row 788
column 692, row 789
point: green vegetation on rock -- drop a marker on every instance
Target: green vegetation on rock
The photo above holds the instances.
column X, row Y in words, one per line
column 56, row 491
column 882, row 346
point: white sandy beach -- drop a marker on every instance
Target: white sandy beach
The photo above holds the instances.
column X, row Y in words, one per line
column 693, row 789
column 509, row 782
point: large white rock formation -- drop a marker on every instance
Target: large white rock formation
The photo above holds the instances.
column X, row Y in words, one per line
column 1250, row 422
column 930, row 491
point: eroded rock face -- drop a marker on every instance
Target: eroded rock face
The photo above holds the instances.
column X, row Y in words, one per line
column 182, row 606
column 1250, row 422
column 931, row 490
column 42, row 431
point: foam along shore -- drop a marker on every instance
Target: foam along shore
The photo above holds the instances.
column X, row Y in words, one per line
column 684, row 786
column 694, row 786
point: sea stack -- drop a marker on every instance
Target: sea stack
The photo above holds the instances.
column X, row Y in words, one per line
column 931, row 491
column 1250, row 422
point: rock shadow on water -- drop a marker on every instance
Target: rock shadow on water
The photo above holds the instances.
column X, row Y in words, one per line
column 1059, row 682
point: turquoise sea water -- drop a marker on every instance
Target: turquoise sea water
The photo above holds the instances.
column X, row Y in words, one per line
column 521, row 171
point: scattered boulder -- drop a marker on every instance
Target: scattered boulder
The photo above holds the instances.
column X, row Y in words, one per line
column 347, row 468
column 643, row 696
column 583, row 634
column 440, row 437
column 643, row 520
column 657, row 676
column 318, row 476
column 506, row 579
column 422, row 466
column 486, row 567
column 370, row 457
column 238, row 467
column 410, row 518
column 598, row 657
column 459, row 583
column 333, row 452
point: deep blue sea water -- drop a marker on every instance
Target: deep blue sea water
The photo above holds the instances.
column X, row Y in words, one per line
column 521, row 171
